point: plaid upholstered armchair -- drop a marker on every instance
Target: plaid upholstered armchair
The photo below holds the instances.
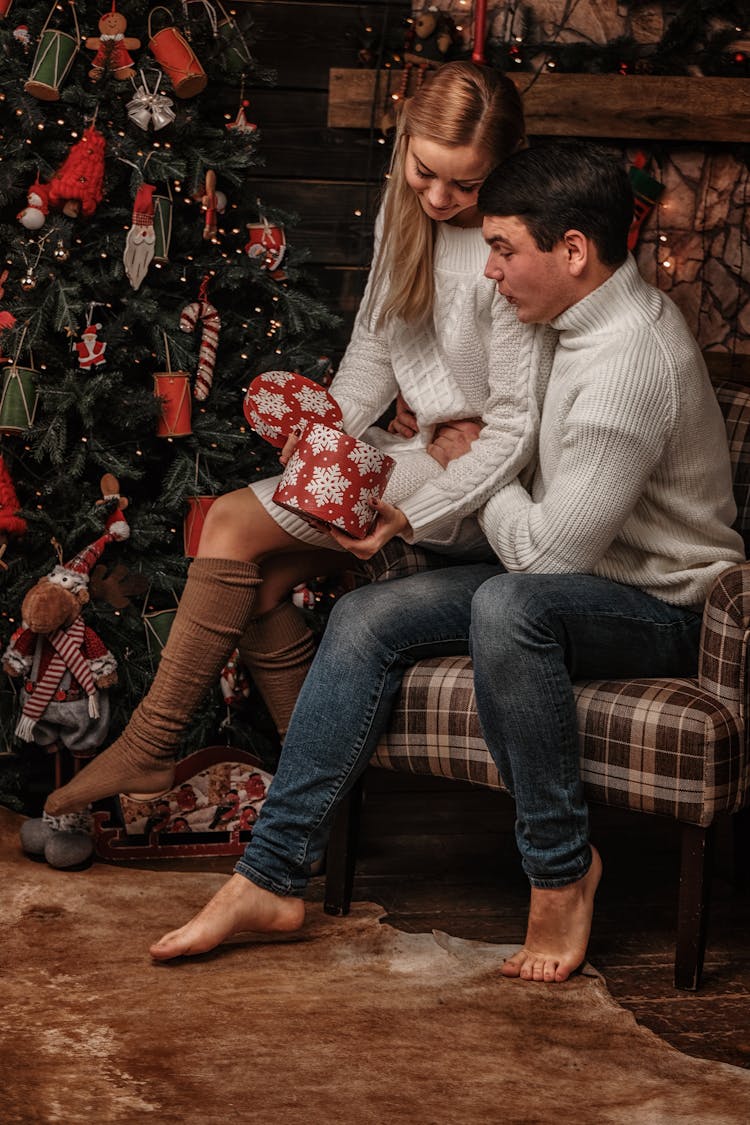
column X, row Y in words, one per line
column 672, row 747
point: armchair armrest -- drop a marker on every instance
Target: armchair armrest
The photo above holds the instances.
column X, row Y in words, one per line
column 722, row 666
column 399, row 559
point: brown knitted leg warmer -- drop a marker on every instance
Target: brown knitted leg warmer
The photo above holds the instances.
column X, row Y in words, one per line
column 212, row 615
column 277, row 649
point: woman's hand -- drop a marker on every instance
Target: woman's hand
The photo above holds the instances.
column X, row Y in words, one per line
column 391, row 521
column 405, row 421
column 453, row 439
column 289, row 447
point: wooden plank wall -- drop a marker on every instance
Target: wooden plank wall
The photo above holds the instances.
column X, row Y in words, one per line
column 329, row 178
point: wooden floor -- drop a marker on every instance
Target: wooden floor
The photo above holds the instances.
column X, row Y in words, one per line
column 440, row 855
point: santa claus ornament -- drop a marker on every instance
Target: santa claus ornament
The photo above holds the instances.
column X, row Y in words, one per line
column 141, row 238
column 90, row 349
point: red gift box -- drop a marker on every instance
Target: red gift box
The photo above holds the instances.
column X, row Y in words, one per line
column 332, row 477
column 278, row 401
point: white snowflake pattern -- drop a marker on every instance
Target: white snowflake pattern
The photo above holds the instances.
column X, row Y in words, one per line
column 262, row 428
column 291, row 472
column 321, row 440
column 270, row 403
column 328, row 484
column 316, row 402
column 280, row 378
column 362, row 509
column 367, row 458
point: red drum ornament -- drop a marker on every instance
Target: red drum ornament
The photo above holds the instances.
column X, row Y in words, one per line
column 54, row 57
column 278, row 401
column 194, row 520
column 267, row 244
column 333, row 478
column 176, row 58
column 5, row 6
column 173, row 388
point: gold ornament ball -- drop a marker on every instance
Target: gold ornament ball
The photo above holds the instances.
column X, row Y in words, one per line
column 61, row 253
column 28, row 282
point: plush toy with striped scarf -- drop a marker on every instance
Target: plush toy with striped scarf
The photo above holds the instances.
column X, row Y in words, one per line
column 64, row 664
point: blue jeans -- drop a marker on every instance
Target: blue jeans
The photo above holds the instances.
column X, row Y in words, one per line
column 530, row 635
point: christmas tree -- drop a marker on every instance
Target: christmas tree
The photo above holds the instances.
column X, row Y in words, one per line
column 144, row 285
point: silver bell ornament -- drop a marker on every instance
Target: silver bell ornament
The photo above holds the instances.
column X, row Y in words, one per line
column 149, row 107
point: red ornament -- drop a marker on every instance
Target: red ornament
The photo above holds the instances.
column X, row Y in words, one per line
column 78, row 185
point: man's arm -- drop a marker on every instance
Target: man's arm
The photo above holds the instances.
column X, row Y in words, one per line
column 611, row 444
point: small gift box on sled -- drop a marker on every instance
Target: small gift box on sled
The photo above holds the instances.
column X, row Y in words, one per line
column 331, row 477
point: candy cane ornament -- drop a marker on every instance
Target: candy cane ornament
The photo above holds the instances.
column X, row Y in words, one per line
column 204, row 311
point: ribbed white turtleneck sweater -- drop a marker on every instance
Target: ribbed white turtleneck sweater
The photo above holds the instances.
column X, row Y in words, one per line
column 633, row 481
column 473, row 359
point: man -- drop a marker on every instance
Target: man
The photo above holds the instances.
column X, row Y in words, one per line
column 606, row 560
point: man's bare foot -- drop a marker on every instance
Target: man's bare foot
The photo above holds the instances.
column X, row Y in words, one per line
column 238, row 907
column 558, row 929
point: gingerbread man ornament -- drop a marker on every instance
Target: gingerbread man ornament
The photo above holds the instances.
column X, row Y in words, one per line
column 112, row 46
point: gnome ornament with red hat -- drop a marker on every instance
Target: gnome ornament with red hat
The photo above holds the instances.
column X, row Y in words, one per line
column 141, row 238
column 66, row 670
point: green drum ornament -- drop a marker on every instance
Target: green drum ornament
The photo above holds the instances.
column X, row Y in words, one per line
column 18, row 400
column 54, row 57
column 157, row 625
column 235, row 51
column 162, row 227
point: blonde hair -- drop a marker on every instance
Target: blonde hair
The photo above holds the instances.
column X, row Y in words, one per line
column 464, row 104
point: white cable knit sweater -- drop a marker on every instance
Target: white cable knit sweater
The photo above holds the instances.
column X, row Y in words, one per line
column 474, row 359
column 633, row 481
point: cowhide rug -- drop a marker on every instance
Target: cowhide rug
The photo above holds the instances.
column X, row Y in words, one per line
column 348, row 1023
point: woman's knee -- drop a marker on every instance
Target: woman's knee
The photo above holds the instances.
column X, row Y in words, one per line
column 366, row 616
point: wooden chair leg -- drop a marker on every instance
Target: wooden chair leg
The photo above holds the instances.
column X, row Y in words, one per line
column 692, row 912
column 341, row 856
column 741, row 849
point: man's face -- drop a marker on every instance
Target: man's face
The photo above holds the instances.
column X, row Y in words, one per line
column 536, row 283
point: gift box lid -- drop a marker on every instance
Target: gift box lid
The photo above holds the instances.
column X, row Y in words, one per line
column 278, row 401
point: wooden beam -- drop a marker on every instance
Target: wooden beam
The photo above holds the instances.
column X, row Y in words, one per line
column 584, row 105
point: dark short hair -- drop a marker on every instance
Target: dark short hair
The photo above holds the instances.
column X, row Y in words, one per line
column 556, row 186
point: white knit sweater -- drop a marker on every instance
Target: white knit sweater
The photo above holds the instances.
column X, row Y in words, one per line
column 633, row 481
column 473, row 359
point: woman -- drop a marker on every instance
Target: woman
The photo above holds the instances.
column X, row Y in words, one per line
column 432, row 329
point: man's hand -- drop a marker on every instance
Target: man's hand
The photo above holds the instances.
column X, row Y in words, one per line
column 391, row 521
column 405, row 421
column 453, row 439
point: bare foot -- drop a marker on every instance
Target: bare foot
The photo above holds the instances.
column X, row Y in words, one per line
column 238, row 907
column 558, row 929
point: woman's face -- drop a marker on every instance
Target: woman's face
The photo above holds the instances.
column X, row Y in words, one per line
column 446, row 179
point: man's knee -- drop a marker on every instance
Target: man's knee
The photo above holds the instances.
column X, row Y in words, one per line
column 507, row 606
